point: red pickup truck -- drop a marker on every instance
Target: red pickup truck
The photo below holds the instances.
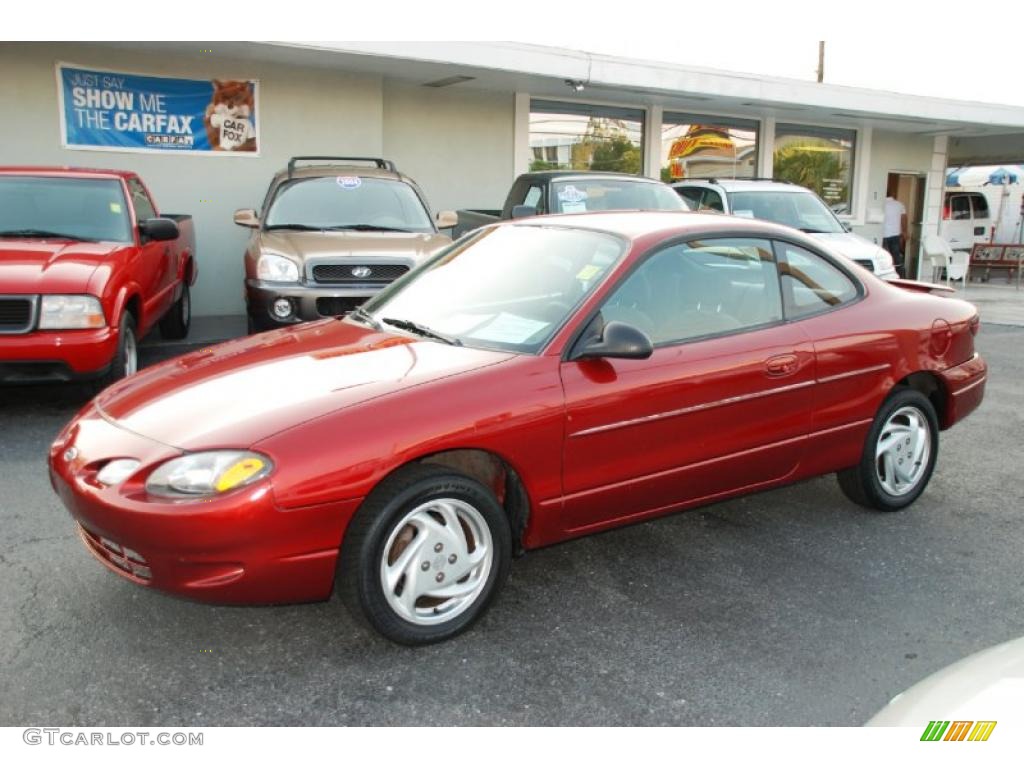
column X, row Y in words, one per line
column 87, row 267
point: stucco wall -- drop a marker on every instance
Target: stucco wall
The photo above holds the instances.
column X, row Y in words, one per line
column 456, row 142
column 302, row 111
column 891, row 153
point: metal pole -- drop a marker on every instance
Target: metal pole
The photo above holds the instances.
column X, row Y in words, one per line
column 821, row 61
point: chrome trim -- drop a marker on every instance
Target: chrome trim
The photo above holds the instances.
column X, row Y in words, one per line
column 692, row 409
column 33, row 312
column 858, row 372
column 971, row 386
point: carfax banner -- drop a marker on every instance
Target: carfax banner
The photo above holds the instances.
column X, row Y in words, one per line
column 114, row 111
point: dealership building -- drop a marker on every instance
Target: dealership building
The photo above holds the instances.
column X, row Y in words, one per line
column 463, row 119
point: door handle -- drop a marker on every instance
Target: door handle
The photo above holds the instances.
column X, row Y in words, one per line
column 781, row 365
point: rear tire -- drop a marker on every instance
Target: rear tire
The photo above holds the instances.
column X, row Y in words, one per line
column 424, row 556
column 175, row 324
column 899, row 454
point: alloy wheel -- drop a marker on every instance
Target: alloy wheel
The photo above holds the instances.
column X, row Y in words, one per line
column 436, row 561
column 902, row 452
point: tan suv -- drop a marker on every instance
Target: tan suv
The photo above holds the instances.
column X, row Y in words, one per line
column 331, row 235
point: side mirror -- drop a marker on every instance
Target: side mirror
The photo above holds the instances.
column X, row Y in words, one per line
column 447, row 219
column 158, row 229
column 246, row 217
column 618, row 340
column 523, row 211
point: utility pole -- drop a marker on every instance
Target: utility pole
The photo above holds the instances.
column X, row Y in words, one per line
column 821, row 61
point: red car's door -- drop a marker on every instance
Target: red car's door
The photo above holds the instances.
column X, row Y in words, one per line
column 724, row 402
column 155, row 266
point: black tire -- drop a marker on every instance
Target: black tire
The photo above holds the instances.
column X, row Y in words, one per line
column 175, row 324
column 862, row 484
column 358, row 581
column 127, row 346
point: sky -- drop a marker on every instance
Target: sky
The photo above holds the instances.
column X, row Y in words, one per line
column 952, row 49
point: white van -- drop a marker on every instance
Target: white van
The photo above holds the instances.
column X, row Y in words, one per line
column 965, row 220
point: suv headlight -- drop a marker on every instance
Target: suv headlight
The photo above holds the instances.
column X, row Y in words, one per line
column 210, row 473
column 275, row 268
column 65, row 312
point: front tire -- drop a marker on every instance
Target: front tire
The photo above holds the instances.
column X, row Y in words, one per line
column 899, row 454
column 126, row 358
column 425, row 554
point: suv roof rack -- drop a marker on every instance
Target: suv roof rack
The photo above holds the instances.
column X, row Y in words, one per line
column 385, row 165
column 716, row 179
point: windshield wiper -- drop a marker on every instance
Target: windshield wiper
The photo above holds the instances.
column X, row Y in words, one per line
column 361, row 314
column 303, row 227
column 367, row 228
column 421, row 330
column 45, row 233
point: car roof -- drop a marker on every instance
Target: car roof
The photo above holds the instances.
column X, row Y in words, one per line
column 745, row 185
column 634, row 225
column 549, row 175
column 362, row 171
column 63, row 170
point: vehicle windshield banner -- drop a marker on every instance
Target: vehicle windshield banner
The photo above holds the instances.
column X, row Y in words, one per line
column 120, row 112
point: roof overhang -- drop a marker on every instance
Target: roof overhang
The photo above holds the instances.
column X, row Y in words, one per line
column 543, row 71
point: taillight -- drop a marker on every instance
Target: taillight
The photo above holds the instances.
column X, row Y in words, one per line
column 945, row 211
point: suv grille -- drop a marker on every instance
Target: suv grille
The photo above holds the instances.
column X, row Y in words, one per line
column 331, row 306
column 15, row 314
column 868, row 264
column 367, row 273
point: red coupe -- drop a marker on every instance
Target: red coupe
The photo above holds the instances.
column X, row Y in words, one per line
column 537, row 380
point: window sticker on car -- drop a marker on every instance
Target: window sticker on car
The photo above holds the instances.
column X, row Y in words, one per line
column 579, row 207
column 588, row 272
column 349, row 182
column 570, row 194
column 115, row 207
column 509, row 329
column 744, row 214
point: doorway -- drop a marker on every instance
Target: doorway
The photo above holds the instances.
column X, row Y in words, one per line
column 910, row 191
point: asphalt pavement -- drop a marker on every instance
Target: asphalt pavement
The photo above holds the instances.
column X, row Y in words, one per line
column 792, row 607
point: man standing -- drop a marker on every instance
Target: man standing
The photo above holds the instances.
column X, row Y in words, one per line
column 894, row 230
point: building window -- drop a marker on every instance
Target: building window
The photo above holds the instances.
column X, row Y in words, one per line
column 817, row 158
column 584, row 137
column 696, row 146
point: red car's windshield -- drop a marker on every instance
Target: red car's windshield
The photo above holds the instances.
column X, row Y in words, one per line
column 507, row 288
column 62, row 207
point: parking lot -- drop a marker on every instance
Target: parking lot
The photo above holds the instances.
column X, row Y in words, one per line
column 792, row 607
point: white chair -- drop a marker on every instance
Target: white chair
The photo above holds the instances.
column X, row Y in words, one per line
column 955, row 264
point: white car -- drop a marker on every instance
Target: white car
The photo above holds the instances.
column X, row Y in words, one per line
column 982, row 688
column 788, row 204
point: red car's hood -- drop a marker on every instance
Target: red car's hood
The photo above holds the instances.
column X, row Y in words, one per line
column 50, row 266
column 235, row 394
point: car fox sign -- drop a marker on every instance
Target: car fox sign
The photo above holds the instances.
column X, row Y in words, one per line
column 102, row 110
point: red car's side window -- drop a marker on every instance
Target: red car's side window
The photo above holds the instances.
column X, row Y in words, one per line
column 810, row 284
column 698, row 289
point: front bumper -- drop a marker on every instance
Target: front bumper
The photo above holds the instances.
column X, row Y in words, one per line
column 56, row 355
column 309, row 302
column 238, row 548
column 965, row 389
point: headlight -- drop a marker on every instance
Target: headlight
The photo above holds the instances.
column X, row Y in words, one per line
column 63, row 312
column 276, row 269
column 885, row 259
column 207, row 474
